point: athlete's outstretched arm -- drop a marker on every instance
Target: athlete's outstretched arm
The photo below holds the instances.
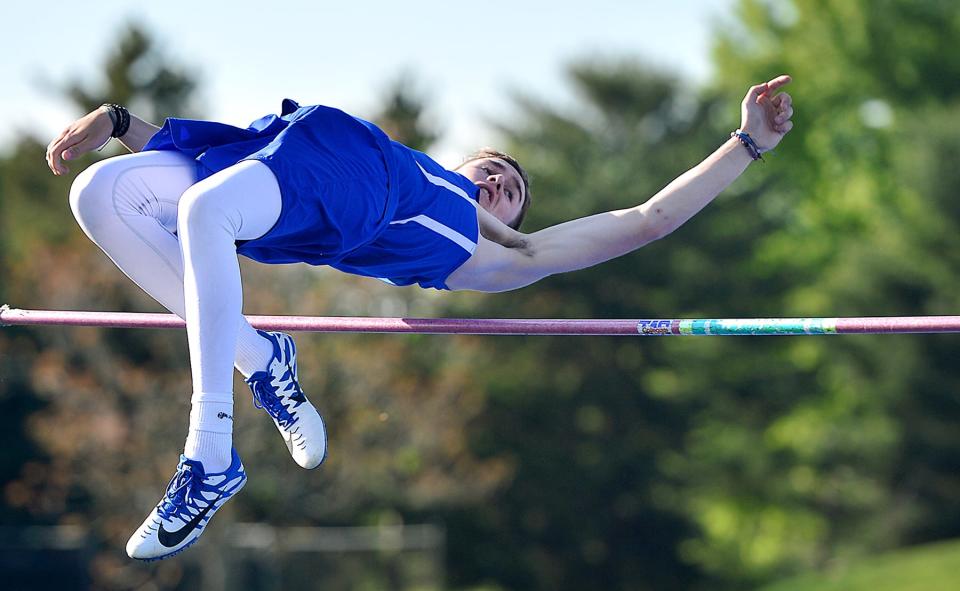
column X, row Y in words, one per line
column 592, row 240
column 89, row 133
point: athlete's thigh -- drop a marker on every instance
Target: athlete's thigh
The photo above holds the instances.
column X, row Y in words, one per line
column 146, row 183
column 246, row 195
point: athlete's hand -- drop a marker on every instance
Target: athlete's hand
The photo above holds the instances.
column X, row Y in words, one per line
column 765, row 114
column 83, row 135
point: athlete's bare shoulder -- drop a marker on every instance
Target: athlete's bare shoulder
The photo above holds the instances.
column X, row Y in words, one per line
column 479, row 271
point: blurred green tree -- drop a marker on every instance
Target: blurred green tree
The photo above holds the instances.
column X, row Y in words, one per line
column 137, row 73
column 842, row 448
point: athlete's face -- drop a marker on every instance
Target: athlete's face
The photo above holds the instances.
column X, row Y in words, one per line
column 501, row 188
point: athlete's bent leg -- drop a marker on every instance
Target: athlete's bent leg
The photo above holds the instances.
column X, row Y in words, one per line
column 240, row 203
column 150, row 217
column 128, row 206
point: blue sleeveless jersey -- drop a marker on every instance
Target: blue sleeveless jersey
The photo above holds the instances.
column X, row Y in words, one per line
column 352, row 198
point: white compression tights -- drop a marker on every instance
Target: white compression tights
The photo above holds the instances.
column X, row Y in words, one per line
column 175, row 238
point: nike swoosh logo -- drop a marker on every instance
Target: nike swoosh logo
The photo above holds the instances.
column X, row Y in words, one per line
column 172, row 538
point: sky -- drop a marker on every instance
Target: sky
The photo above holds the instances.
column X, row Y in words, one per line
column 249, row 55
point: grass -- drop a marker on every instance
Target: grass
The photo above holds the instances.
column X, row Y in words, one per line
column 933, row 567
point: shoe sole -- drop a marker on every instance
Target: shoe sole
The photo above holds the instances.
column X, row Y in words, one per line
column 174, row 553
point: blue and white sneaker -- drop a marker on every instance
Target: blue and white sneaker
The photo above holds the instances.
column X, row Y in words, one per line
column 191, row 500
column 277, row 391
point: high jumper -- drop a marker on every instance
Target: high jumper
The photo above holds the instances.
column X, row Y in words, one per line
column 316, row 185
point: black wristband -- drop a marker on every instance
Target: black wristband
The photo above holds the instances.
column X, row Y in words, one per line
column 112, row 114
column 124, row 125
column 120, row 117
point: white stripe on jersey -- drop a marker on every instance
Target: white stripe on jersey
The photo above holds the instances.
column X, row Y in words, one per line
column 445, row 231
column 442, row 182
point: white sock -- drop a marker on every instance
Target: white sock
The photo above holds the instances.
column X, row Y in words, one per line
column 210, row 436
column 253, row 351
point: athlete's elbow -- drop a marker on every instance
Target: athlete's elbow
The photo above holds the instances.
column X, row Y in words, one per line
column 645, row 224
column 654, row 229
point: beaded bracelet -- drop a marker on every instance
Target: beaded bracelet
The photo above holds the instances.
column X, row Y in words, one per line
column 748, row 143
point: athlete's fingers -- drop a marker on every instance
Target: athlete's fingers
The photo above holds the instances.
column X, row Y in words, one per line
column 53, row 157
column 781, row 106
column 784, row 114
column 785, row 127
column 63, row 145
column 755, row 93
column 777, row 82
column 51, row 149
column 786, row 106
column 763, row 94
column 83, row 146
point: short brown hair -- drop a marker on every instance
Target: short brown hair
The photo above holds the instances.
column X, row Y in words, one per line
column 491, row 153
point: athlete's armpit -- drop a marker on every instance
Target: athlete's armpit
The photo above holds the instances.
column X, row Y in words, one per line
column 495, row 268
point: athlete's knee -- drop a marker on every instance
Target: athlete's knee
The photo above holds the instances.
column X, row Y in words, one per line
column 203, row 209
column 90, row 195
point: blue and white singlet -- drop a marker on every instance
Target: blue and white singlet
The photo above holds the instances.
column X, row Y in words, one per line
column 352, row 198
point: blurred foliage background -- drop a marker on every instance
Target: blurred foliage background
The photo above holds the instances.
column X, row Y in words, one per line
column 557, row 463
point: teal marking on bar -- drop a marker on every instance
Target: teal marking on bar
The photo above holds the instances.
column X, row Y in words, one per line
column 758, row 326
column 769, row 326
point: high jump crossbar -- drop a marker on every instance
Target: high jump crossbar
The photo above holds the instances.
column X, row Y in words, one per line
column 502, row 326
